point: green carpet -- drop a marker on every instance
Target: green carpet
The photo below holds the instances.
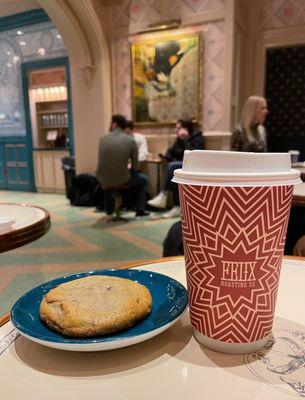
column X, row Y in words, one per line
column 79, row 240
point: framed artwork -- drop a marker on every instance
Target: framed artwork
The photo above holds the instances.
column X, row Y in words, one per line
column 166, row 79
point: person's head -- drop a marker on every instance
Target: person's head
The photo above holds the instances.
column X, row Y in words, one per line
column 118, row 121
column 178, row 126
column 184, row 128
column 254, row 111
column 188, row 125
column 129, row 127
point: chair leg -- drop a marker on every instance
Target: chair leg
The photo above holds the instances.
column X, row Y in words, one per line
column 117, row 208
column 117, row 204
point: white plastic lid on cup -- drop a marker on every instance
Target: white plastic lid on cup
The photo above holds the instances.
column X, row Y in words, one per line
column 6, row 224
column 234, row 168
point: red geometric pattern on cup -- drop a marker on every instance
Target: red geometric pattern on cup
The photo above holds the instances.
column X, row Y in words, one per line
column 234, row 240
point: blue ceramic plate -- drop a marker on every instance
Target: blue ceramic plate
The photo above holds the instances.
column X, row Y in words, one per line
column 169, row 301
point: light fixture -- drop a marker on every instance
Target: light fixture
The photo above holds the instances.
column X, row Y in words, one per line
column 162, row 26
column 22, row 43
column 19, row 33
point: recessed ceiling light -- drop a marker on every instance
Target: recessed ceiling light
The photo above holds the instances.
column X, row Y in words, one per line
column 19, row 33
column 22, row 43
column 42, row 51
column 58, row 36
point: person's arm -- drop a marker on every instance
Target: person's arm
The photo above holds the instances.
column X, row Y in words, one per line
column 169, row 155
column 236, row 143
column 142, row 148
column 176, row 151
column 263, row 134
column 134, row 156
column 197, row 142
column 99, row 168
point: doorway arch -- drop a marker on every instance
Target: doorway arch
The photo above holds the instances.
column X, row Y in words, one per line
column 84, row 38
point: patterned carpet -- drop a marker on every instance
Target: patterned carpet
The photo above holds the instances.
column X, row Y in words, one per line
column 79, row 240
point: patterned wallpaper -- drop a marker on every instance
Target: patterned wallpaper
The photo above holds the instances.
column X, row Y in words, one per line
column 129, row 12
column 281, row 13
column 212, row 62
column 30, row 43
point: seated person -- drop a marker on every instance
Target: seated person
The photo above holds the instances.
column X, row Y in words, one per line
column 187, row 139
column 173, row 243
column 140, row 141
column 116, row 150
column 299, row 248
column 250, row 134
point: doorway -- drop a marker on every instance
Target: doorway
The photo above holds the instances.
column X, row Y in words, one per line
column 285, row 92
column 46, row 86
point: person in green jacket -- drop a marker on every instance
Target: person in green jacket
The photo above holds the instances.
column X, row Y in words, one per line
column 118, row 165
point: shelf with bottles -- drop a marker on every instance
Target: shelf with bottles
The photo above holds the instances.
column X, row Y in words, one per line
column 52, row 116
column 53, row 120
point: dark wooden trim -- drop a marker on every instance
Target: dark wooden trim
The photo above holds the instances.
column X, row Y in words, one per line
column 26, row 18
column 4, row 319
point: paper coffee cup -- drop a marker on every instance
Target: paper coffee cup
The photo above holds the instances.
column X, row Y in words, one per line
column 294, row 154
column 235, row 210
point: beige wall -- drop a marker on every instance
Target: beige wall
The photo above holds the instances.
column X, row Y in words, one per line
column 98, row 34
column 83, row 36
column 16, row 6
column 209, row 18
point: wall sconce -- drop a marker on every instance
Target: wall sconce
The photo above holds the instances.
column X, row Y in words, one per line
column 162, row 26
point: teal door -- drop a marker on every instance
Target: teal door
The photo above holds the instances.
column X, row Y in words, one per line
column 14, row 166
column 3, row 182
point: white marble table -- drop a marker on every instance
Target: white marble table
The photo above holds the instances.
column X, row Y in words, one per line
column 170, row 365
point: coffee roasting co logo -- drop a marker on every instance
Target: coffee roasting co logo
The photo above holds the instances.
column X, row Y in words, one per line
column 238, row 274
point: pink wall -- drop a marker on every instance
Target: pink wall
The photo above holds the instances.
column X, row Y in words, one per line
column 133, row 14
column 281, row 13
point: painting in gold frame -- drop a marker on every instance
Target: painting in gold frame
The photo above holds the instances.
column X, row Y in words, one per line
column 166, row 79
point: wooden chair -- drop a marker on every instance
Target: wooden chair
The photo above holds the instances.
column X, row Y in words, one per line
column 117, row 203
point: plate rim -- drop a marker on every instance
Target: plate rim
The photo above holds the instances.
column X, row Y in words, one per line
column 105, row 346
column 109, row 342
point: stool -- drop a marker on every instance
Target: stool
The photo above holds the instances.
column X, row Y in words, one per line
column 117, row 202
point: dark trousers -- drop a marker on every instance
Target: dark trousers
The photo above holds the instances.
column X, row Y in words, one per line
column 138, row 182
column 168, row 184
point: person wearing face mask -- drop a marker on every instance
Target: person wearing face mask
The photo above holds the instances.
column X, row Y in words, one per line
column 250, row 134
column 187, row 139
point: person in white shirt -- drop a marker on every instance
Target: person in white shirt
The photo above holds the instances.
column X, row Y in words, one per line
column 140, row 141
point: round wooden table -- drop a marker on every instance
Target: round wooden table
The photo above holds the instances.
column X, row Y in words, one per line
column 31, row 222
column 170, row 364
